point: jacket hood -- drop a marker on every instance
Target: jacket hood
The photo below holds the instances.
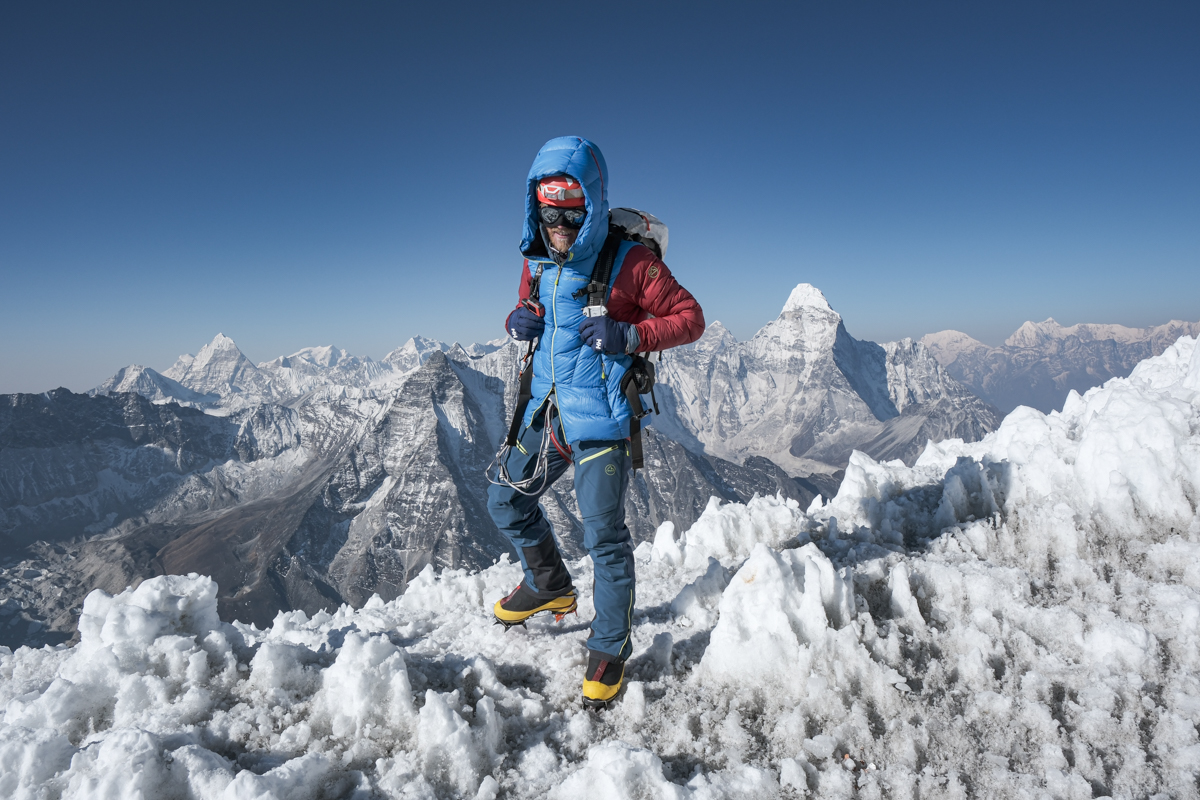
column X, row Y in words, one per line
column 583, row 161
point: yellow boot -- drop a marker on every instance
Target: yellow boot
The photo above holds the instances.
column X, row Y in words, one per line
column 602, row 681
column 522, row 604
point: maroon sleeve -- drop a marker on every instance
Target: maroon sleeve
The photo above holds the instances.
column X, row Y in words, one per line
column 523, row 291
column 646, row 293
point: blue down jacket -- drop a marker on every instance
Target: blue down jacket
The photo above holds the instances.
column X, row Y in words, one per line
column 586, row 384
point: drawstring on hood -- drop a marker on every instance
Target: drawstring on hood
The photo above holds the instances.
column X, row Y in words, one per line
column 559, row 257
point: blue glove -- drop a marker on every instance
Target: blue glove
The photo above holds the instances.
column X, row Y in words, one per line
column 524, row 325
column 605, row 334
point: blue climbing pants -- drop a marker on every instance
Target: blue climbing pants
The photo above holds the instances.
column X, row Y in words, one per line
column 601, row 477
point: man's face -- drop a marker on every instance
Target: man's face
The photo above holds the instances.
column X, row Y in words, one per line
column 561, row 236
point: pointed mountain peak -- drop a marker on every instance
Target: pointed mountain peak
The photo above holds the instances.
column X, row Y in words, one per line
column 716, row 338
column 222, row 342
column 221, row 368
column 807, row 324
column 220, row 348
column 1031, row 334
column 804, row 296
column 413, row 353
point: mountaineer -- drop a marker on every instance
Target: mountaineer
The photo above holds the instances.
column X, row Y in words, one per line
column 593, row 299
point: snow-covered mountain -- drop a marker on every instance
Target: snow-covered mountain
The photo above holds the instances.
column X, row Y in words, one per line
column 221, row 369
column 370, row 488
column 804, row 393
column 1016, row 617
column 154, row 386
column 221, row 379
column 1043, row 361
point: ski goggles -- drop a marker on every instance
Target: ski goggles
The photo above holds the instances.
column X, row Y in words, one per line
column 571, row 217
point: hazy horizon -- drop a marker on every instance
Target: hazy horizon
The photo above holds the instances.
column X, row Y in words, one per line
column 257, row 358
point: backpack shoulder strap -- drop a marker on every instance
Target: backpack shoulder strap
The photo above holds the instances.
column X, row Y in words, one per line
column 638, row 379
column 597, row 288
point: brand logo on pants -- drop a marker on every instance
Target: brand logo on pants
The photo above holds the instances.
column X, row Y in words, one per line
column 610, row 469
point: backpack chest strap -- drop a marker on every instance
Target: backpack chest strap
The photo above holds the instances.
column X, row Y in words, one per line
column 598, row 287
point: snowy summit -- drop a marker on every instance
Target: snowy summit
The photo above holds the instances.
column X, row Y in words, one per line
column 805, row 295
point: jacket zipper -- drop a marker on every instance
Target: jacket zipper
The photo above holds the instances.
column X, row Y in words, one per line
column 554, row 334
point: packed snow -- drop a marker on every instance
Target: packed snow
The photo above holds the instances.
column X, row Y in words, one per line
column 1017, row 617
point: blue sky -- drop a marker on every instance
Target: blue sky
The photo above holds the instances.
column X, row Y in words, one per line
column 303, row 174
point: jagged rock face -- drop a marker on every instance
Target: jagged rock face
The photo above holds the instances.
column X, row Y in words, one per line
column 73, row 465
column 804, row 393
column 1042, row 362
column 410, row 493
column 678, row 483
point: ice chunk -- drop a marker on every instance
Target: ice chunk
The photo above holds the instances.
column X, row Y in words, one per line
column 615, row 770
column 775, row 606
column 366, row 688
column 30, row 760
column 904, row 605
column 729, row 532
column 665, row 548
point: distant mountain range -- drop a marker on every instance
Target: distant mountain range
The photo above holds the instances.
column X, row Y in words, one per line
column 1042, row 362
column 320, row 477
